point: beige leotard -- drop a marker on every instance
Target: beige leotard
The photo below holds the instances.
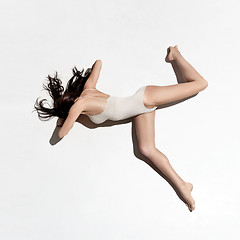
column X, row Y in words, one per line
column 119, row 108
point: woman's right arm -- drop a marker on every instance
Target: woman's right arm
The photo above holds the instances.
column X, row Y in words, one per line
column 73, row 114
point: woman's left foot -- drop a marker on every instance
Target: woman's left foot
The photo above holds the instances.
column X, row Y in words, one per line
column 171, row 53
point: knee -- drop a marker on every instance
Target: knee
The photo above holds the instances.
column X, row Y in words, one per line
column 147, row 150
column 204, row 84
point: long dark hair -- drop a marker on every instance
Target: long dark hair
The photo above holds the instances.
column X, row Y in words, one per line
column 62, row 100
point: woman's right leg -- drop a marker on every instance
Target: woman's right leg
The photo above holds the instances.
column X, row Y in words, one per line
column 157, row 95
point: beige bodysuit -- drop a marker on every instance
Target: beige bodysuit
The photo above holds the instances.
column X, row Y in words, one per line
column 119, row 108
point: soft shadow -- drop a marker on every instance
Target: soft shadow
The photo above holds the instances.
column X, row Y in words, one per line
column 85, row 121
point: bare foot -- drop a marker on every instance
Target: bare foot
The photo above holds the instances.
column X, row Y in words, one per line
column 171, row 53
column 185, row 192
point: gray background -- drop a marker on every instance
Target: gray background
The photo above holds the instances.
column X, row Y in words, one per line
column 91, row 185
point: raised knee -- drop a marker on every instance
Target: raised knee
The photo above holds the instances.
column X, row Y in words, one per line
column 146, row 150
column 204, row 84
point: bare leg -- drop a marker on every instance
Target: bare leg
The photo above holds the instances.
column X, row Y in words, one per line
column 157, row 95
column 145, row 131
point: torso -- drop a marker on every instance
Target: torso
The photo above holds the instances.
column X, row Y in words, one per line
column 96, row 101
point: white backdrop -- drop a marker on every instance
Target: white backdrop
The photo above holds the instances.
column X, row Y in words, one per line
column 90, row 185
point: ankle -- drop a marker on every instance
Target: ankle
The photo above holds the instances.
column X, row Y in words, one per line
column 181, row 185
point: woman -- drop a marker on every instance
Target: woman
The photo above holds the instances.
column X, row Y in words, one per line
column 82, row 97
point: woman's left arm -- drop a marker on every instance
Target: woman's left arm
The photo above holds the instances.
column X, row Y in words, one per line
column 73, row 114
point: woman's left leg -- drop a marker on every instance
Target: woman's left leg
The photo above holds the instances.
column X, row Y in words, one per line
column 145, row 131
column 158, row 95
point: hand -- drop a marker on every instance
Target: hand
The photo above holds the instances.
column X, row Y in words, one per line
column 60, row 122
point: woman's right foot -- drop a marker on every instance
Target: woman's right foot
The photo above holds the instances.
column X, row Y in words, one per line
column 185, row 192
column 171, row 53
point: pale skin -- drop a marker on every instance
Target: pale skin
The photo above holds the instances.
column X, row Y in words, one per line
column 144, row 123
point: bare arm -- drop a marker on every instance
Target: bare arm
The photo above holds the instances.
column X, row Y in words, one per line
column 93, row 78
column 73, row 114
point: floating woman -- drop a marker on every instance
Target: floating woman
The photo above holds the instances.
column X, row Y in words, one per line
column 82, row 97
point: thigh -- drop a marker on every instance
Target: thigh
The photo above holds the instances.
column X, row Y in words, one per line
column 145, row 131
column 157, row 95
